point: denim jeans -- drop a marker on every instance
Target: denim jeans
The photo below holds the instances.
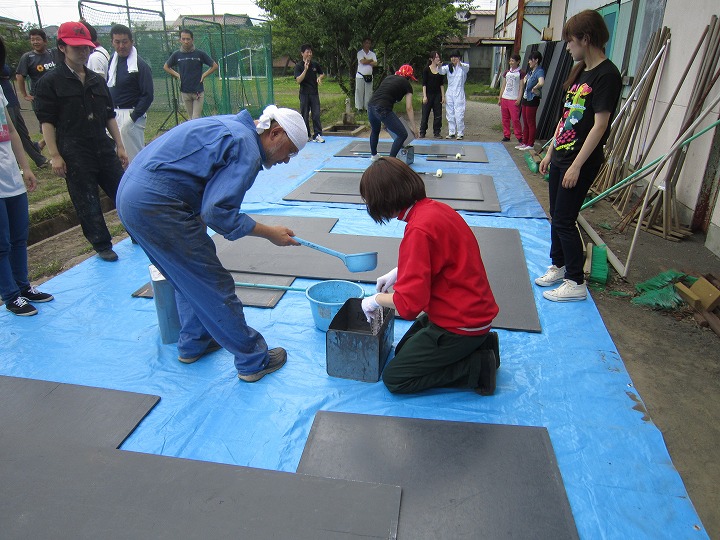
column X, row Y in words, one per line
column 566, row 248
column 381, row 115
column 14, row 226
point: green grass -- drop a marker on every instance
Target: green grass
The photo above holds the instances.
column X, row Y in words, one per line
column 50, row 269
column 51, row 210
column 117, row 230
column 84, row 250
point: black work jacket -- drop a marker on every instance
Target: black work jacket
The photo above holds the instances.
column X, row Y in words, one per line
column 77, row 111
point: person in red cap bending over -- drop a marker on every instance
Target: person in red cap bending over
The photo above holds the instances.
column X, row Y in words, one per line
column 380, row 110
column 74, row 107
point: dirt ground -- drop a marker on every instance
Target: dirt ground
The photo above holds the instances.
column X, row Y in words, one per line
column 673, row 362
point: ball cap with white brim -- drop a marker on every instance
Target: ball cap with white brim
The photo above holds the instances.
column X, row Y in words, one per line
column 289, row 120
column 75, row 34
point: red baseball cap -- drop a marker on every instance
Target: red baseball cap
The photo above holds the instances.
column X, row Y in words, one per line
column 75, row 34
column 406, row 70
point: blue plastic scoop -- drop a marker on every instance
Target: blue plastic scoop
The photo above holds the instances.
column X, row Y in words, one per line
column 355, row 262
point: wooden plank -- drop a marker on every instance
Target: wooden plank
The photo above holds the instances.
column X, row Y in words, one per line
column 713, row 321
column 692, row 299
column 709, row 296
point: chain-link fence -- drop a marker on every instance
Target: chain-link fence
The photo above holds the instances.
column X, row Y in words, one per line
column 241, row 46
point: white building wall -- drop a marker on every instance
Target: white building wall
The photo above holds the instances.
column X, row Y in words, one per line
column 684, row 39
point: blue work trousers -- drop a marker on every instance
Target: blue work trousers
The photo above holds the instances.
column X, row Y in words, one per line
column 176, row 242
column 381, row 115
column 14, row 226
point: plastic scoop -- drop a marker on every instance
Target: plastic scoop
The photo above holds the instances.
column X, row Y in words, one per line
column 355, row 262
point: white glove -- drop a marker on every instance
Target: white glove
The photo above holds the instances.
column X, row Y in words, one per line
column 384, row 283
column 370, row 307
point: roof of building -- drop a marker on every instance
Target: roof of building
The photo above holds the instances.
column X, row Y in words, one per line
column 482, row 12
column 8, row 21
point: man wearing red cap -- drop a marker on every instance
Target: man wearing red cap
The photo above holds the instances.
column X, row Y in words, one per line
column 380, row 109
column 74, row 107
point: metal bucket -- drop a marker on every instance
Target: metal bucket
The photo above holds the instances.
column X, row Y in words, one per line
column 327, row 297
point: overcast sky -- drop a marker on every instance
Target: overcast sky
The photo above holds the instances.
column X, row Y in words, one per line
column 59, row 11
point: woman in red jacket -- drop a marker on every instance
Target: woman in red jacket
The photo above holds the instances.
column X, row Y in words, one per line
column 440, row 274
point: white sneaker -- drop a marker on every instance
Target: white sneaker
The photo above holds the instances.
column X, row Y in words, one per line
column 374, row 158
column 551, row 277
column 569, row 291
column 319, row 139
column 450, row 136
column 526, row 147
column 459, row 138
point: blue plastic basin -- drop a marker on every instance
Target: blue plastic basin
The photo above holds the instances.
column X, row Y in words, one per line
column 327, row 297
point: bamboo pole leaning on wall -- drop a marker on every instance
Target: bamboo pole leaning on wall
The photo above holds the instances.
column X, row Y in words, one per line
column 662, row 217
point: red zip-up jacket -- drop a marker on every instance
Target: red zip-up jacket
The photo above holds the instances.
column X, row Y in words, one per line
column 440, row 271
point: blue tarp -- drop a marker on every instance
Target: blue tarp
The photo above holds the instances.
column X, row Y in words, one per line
column 570, row 379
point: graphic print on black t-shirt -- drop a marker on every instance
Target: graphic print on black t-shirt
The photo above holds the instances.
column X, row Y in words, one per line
column 574, row 111
column 594, row 91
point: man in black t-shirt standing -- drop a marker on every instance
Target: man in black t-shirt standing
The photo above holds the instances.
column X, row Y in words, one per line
column 309, row 75
column 190, row 62
column 33, row 65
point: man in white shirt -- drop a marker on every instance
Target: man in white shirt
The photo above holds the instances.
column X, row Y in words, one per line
column 99, row 58
column 364, row 76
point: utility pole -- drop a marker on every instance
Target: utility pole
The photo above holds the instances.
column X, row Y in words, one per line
column 37, row 10
column 519, row 25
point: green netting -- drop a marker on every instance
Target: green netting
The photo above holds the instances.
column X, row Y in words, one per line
column 247, row 66
column 241, row 46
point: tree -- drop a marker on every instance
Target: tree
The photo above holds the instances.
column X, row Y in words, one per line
column 16, row 43
column 402, row 32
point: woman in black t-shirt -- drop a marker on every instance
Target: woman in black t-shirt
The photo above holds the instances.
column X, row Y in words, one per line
column 433, row 84
column 574, row 159
column 392, row 89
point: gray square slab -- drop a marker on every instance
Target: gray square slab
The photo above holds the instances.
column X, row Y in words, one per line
column 435, row 188
column 362, row 148
column 470, row 154
column 51, row 413
column 249, row 296
column 53, row 491
column 452, row 189
column 459, row 479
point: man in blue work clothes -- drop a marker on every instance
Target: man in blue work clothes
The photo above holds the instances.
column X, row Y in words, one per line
column 189, row 62
column 193, row 177
column 131, row 87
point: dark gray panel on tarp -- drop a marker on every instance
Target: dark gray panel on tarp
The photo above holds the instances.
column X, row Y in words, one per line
column 459, row 479
column 46, row 413
column 435, row 188
column 501, row 251
column 362, row 148
column 62, row 477
column 57, row 491
column 263, row 298
column 444, row 186
column 471, row 154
